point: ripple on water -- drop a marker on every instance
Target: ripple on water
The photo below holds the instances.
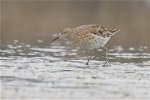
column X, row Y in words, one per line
column 42, row 70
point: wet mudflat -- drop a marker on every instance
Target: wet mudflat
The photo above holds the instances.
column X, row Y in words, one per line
column 57, row 71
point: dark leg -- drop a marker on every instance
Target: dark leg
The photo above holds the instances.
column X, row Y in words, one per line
column 106, row 55
column 90, row 57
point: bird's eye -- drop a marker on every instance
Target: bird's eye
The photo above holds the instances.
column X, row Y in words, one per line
column 107, row 35
column 94, row 32
column 100, row 32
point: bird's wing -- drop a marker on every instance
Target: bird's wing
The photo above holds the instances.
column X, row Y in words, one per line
column 90, row 29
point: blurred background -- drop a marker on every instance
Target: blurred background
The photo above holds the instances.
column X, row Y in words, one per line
column 29, row 21
column 31, row 67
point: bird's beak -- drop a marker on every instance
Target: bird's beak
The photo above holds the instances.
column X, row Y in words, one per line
column 59, row 35
column 114, row 31
column 55, row 39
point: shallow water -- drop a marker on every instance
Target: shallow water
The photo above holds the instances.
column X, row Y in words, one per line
column 57, row 71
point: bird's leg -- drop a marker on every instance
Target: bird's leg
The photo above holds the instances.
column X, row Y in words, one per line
column 90, row 57
column 106, row 55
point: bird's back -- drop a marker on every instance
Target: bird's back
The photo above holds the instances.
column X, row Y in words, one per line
column 87, row 36
column 82, row 32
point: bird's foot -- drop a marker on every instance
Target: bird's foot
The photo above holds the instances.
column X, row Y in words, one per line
column 107, row 64
column 87, row 63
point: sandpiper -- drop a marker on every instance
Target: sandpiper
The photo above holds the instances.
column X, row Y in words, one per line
column 89, row 37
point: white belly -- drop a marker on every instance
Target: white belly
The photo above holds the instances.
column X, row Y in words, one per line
column 95, row 43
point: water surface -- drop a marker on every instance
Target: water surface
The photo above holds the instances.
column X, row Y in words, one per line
column 57, row 71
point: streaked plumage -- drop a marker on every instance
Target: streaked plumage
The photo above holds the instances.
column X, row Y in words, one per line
column 88, row 37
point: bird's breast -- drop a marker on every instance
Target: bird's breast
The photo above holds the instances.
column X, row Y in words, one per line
column 94, row 43
column 87, row 41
